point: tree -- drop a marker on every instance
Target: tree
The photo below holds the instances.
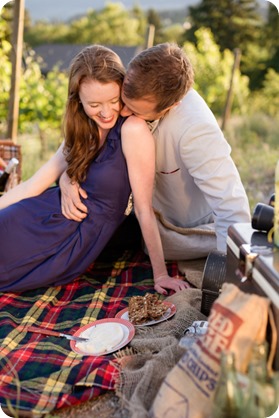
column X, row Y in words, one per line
column 173, row 33
column 42, row 100
column 272, row 36
column 113, row 25
column 266, row 100
column 234, row 23
column 254, row 64
column 263, row 54
column 5, row 72
column 154, row 19
column 213, row 73
column 138, row 14
column 44, row 32
column 6, row 19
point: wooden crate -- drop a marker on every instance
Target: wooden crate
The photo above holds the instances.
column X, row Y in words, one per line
column 253, row 265
column 8, row 150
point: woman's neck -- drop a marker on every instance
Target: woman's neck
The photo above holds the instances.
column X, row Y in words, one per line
column 103, row 136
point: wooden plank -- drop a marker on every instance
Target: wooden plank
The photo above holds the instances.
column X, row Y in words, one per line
column 16, row 58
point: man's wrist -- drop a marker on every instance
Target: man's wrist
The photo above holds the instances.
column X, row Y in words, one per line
column 158, row 277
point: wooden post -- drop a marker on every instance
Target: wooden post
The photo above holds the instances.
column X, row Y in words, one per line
column 228, row 105
column 150, row 36
column 16, row 58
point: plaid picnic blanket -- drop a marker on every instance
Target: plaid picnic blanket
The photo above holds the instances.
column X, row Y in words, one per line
column 40, row 373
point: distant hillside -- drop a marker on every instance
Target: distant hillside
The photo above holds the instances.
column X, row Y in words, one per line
column 61, row 10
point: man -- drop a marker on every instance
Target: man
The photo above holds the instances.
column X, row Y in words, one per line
column 198, row 192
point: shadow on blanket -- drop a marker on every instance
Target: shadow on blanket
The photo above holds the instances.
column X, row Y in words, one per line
column 40, row 373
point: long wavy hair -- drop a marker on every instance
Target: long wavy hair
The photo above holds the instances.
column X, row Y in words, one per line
column 81, row 134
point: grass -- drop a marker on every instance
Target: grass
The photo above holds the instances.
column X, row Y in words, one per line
column 255, row 150
column 35, row 151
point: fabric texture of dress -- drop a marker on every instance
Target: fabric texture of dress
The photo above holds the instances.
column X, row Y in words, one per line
column 40, row 247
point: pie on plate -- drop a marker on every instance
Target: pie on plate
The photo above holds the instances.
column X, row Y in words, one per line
column 147, row 310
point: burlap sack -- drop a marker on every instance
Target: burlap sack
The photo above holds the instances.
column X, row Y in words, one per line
column 155, row 351
column 236, row 321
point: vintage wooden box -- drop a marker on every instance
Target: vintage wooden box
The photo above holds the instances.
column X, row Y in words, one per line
column 8, row 150
column 253, row 265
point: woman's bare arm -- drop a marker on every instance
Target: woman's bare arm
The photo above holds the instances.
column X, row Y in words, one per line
column 139, row 149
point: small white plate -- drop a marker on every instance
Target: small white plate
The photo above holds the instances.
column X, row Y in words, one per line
column 128, row 331
column 123, row 314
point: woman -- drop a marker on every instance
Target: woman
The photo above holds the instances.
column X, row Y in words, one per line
column 109, row 156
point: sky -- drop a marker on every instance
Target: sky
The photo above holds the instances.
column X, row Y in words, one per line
column 54, row 10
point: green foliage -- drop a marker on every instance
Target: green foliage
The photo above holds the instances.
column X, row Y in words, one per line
column 6, row 17
column 272, row 38
column 5, row 81
column 41, row 99
column 113, row 25
column 5, row 66
column 213, row 73
column 44, row 32
column 153, row 18
column 255, row 150
column 254, row 64
column 165, row 29
column 272, row 26
column 172, row 33
column 34, row 153
column 234, row 23
column 267, row 98
column 138, row 14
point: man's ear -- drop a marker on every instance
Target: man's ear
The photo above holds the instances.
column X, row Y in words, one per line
column 175, row 104
column 170, row 107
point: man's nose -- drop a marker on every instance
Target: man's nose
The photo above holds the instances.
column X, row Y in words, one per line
column 125, row 111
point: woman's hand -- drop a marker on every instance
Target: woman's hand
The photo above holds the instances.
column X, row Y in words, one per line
column 164, row 282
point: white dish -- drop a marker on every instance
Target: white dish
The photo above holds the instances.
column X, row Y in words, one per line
column 128, row 333
column 123, row 314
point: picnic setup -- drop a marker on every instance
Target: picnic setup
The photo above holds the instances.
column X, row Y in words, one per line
column 42, row 371
column 135, row 280
column 108, row 333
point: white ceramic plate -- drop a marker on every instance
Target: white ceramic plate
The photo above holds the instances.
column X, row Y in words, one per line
column 123, row 314
column 128, row 334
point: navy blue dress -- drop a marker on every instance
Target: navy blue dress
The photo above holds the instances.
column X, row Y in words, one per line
column 40, row 247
